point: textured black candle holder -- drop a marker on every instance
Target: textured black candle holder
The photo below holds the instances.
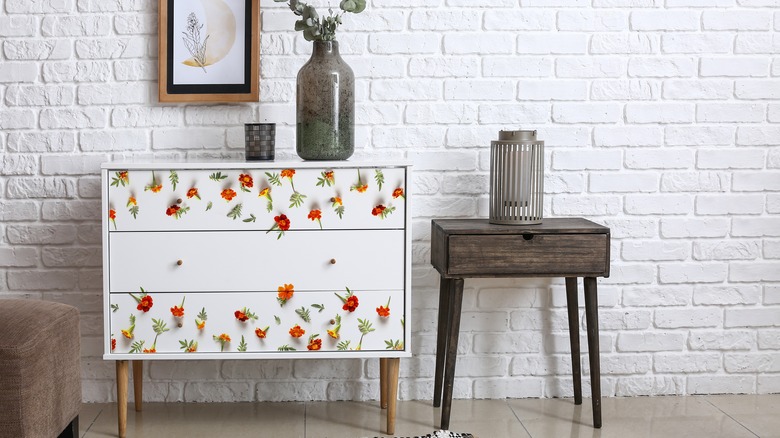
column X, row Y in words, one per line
column 260, row 140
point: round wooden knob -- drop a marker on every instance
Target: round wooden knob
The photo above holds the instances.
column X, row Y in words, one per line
column 179, row 201
column 332, row 321
column 332, row 261
column 180, row 325
column 179, row 262
column 332, row 199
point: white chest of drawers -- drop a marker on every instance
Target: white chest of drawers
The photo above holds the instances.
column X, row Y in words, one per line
column 256, row 260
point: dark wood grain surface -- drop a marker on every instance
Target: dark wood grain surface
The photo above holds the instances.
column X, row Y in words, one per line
column 548, row 226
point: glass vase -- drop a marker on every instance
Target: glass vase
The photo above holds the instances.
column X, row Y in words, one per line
column 325, row 105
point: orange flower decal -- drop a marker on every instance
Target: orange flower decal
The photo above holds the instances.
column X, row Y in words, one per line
column 281, row 224
column 316, row 215
column 200, row 325
column 222, row 339
column 246, row 182
column 398, row 193
column 297, row 331
column 382, row 211
column 384, row 311
column 145, row 301
column 150, row 350
column 285, row 293
column 338, row 206
column 113, row 344
column 112, row 217
column 244, row 315
column 131, row 201
column 314, row 344
column 155, row 189
column 261, row 333
column 288, row 173
column 170, row 211
column 127, row 334
column 178, row 311
column 336, row 201
column 228, row 194
column 123, row 176
column 333, row 334
column 350, row 301
column 193, row 193
column 264, row 192
column 351, row 304
column 200, row 321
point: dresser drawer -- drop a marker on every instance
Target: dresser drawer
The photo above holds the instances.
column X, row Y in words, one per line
column 220, row 312
column 233, row 261
column 517, row 255
column 213, row 199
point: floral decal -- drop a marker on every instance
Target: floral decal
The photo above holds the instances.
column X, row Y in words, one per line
column 188, row 346
column 281, row 224
column 128, row 333
column 154, row 186
column 399, row 193
column 242, row 345
column 178, row 311
column 304, row 313
column 338, row 206
column 343, row 345
column 350, row 301
column 235, row 212
column 246, row 182
column 244, row 315
column 113, row 344
column 137, row 346
column 359, row 186
column 266, row 193
column 144, row 301
column 394, row 345
column 223, row 339
column 228, row 194
column 336, row 322
column 285, row 292
column 314, row 343
column 382, row 211
column 365, row 328
column 174, row 178
column 379, row 177
column 262, row 333
column 384, row 311
column 296, row 331
column 326, row 179
column 217, row 176
column 200, row 321
column 159, row 328
column 132, row 207
column 112, row 217
column 193, row 193
column 122, row 178
column 176, row 211
column 316, row 215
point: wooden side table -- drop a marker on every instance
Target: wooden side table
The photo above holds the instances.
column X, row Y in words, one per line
column 559, row 247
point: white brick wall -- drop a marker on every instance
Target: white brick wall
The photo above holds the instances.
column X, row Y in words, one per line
column 661, row 119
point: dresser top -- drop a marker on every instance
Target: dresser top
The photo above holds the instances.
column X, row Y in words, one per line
column 563, row 225
column 299, row 164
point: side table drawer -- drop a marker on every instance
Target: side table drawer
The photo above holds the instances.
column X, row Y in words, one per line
column 244, row 261
column 554, row 254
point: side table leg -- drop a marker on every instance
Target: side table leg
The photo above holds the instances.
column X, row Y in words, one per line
column 574, row 336
column 456, row 301
column 383, row 383
column 592, row 318
column 393, row 365
column 441, row 339
column 121, row 396
column 138, row 384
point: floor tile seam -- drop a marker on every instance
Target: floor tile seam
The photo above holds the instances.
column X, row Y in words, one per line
column 518, row 418
column 92, row 423
column 729, row 415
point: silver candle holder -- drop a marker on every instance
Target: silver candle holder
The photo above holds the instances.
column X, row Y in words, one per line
column 516, row 178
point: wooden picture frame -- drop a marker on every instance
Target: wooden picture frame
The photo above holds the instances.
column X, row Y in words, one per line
column 209, row 51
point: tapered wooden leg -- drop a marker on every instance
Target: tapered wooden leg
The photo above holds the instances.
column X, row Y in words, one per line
column 393, row 365
column 441, row 339
column 456, row 301
column 592, row 319
column 121, row 396
column 574, row 336
column 383, row 383
column 138, row 384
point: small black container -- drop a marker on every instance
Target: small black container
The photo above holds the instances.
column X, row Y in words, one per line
column 260, row 140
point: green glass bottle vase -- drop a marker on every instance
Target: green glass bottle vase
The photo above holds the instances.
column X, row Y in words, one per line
column 325, row 105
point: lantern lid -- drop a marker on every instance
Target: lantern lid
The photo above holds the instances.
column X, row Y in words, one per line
column 521, row 135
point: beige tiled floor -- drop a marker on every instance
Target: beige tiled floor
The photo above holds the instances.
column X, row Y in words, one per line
column 730, row 416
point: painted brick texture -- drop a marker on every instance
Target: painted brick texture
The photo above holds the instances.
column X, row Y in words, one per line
column 662, row 121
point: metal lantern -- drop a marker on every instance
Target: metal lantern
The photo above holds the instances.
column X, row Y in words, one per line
column 516, row 178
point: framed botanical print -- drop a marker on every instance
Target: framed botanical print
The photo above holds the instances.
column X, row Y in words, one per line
column 209, row 50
